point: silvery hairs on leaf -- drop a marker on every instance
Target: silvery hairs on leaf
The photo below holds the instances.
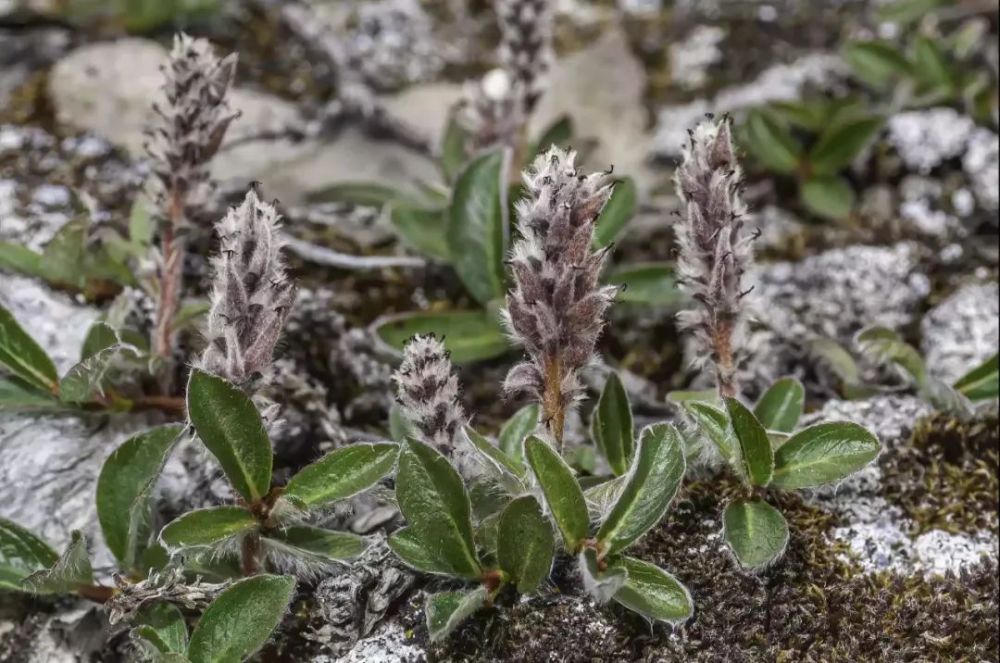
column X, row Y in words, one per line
column 556, row 309
column 251, row 294
column 713, row 250
column 427, row 388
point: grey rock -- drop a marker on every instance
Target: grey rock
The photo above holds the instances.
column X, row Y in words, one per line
column 926, row 138
column 962, row 331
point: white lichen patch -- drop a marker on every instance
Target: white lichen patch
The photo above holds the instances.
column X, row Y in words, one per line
column 691, row 58
column 939, row 552
column 388, row 644
column 962, row 331
column 982, row 165
column 925, row 139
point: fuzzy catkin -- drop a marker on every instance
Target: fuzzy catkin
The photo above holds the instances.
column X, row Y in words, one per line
column 251, row 293
column 556, row 308
column 427, row 388
column 713, row 250
column 525, row 50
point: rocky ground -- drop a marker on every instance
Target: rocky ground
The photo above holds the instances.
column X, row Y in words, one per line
column 898, row 563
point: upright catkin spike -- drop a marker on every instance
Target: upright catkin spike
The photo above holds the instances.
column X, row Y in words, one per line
column 556, row 309
column 185, row 134
column 714, row 251
column 251, row 293
column 525, row 50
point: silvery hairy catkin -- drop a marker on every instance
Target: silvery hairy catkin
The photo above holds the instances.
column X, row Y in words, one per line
column 186, row 133
column 251, row 294
column 556, row 309
column 714, row 252
column 526, row 45
column 427, row 388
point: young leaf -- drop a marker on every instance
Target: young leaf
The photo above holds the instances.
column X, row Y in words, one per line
column 771, row 143
column 714, row 424
column 21, row 554
column 99, row 337
column 422, row 229
column 601, row 584
column 562, row 492
column 650, row 485
column 400, row 426
column 654, row 593
column 755, row 447
column 905, row 11
column 602, row 496
column 822, row 454
column 23, row 357
column 931, row 65
column 68, row 573
column 828, row 196
column 780, row 408
column 884, row 345
column 981, row 383
column 842, row 142
column 86, row 380
column 617, row 212
column 230, row 426
column 494, row 455
column 433, row 499
column 316, row 542
column 525, row 546
column 755, row 531
column 241, row 619
column 648, row 284
column 124, row 491
column 16, row 395
column 522, row 424
column 612, row 426
column 340, row 474
column 877, row 63
column 468, row 335
column 453, row 154
column 476, row 227
column 163, row 626
column 205, row 527
column 447, row 610
column 411, row 549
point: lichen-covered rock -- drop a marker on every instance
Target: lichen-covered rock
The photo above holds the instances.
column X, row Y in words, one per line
column 962, row 331
column 925, row 139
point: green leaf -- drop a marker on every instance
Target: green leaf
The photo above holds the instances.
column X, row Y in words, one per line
column 71, row 571
column 876, row 62
column 525, row 546
column 433, row 499
column 562, row 492
column 206, row 527
column 828, row 197
column 981, row 383
column 124, row 491
column 651, row 483
column 315, row 542
column 650, row 284
column 21, row 554
column 682, row 396
column 516, row 429
column 837, row 358
column 653, row 593
column 714, row 424
column 905, row 11
column 931, row 65
column 771, row 143
column 241, row 619
column 617, row 212
column 886, row 346
column 842, row 142
column 362, row 194
column 557, row 134
column 400, row 426
column 408, row 546
column 230, row 426
column 601, row 584
column 824, row 453
column 163, row 626
column 755, row 531
column 612, row 427
column 806, row 114
column 780, row 408
column 100, row 336
column 468, row 335
column 21, row 260
column 494, row 455
column 477, row 227
column 16, row 395
column 340, row 474
column 422, row 229
column 141, row 224
column 447, row 610
column 86, row 380
column 755, row 447
column 453, row 152
column 23, row 357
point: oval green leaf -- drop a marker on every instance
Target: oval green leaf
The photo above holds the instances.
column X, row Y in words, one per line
column 324, row 545
column 476, row 226
column 617, row 212
column 612, row 427
column 780, row 408
column 433, row 499
column 516, row 429
column 877, row 63
column 755, row 531
column 822, row 454
column 230, row 426
column 241, row 619
column 468, row 335
column 206, row 527
column 446, row 611
column 23, row 357
column 21, row 554
column 562, row 492
column 714, row 424
column 163, row 626
column 69, row 572
column 408, row 546
column 842, row 142
column 829, row 197
column 755, row 446
column 340, row 474
column 983, row 382
column 771, row 143
column 653, row 593
column 124, row 491
column 651, row 483
column 422, row 229
column 884, row 345
column 525, row 545
column 649, row 284
column 494, row 456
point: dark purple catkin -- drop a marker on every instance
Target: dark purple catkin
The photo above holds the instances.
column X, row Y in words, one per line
column 714, row 251
column 186, row 133
column 556, row 309
column 251, row 294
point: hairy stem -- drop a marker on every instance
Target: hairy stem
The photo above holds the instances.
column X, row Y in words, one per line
column 553, row 408
column 725, row 371
column 96, row 593
column 250, row 554
column 170, row 289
